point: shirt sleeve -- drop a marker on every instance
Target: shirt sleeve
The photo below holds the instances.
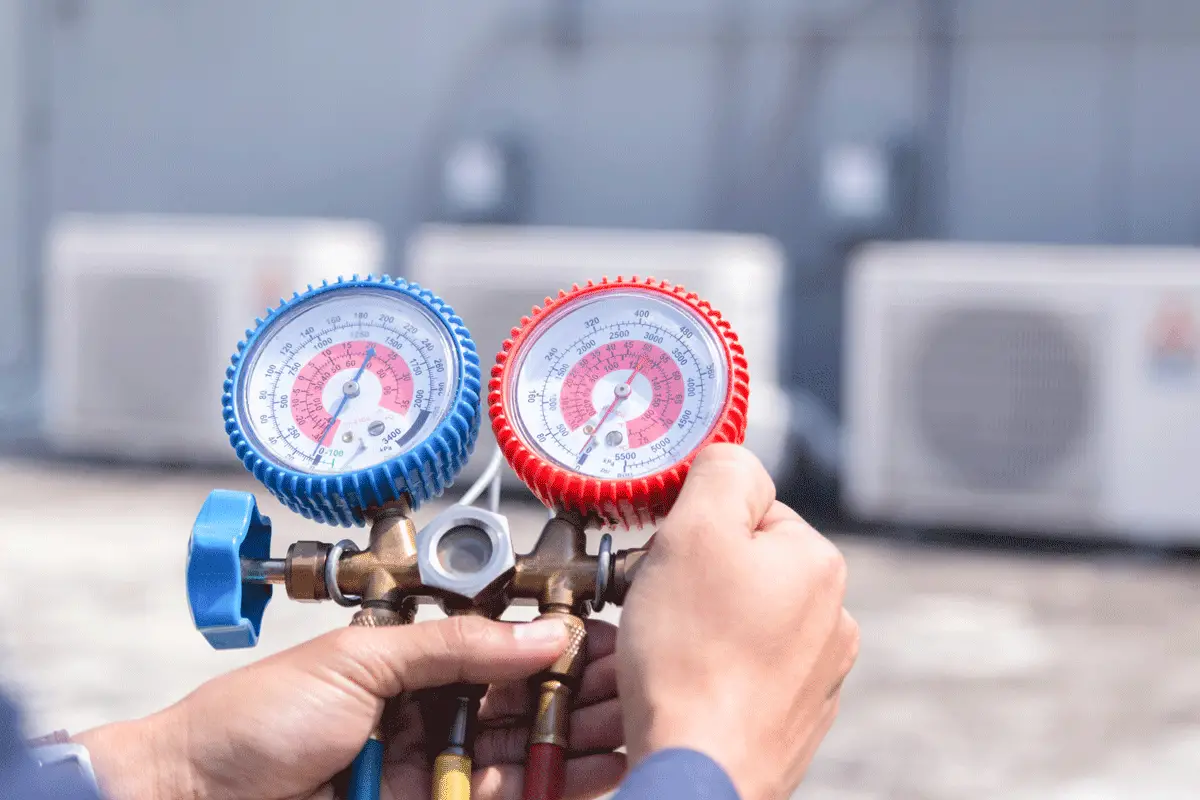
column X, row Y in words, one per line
column 677, row 775
column 19, row 773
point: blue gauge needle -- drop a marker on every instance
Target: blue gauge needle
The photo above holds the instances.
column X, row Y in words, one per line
column 350, row 389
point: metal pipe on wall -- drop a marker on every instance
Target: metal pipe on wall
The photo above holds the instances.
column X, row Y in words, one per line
column 729, row 33
column 938, row 31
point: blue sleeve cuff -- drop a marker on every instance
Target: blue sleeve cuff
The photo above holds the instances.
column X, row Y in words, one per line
column 20, row 777
column 677, row 775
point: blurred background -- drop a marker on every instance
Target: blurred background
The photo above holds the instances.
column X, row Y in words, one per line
column 958, row 238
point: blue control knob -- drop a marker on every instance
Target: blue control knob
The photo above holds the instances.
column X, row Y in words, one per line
column 227, row 529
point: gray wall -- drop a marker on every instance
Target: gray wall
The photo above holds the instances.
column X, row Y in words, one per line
column 1072, row 120
column 20, row 155
column 10, row 172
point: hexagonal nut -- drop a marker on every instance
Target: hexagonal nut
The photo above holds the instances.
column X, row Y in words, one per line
column 464, row 550
column 305, row 574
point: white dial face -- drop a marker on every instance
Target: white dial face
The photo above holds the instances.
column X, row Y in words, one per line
column 621, row 384
column 348, row 380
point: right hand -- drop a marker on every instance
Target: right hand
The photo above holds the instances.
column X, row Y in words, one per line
column 734, row 641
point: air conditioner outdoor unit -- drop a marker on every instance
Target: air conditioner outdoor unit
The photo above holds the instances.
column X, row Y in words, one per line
column 494, row 276
column 142, row 314
column 1034, row 389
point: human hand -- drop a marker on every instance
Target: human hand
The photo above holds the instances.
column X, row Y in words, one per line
column 283, row 727
column 734, row 641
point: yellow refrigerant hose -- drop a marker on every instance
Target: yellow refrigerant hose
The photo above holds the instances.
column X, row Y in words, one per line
column 452, row 767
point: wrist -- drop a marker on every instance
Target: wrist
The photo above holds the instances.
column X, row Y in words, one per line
column 145, row 759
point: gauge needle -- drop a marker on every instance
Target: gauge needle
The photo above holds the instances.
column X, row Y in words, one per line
column 350, row 389
column 621, row 391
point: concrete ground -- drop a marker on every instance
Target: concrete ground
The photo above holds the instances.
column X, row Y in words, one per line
column 982, row 675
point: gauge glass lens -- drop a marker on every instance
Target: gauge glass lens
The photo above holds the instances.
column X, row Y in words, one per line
column 345, row 381
column 619, row 384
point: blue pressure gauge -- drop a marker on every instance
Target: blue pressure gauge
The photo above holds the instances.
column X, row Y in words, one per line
column 354, row 394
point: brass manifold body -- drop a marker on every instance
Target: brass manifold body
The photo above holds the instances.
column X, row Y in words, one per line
column 559, row 575
column 401, row 567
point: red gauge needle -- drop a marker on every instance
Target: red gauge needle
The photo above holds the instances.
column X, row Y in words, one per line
column 621, row 391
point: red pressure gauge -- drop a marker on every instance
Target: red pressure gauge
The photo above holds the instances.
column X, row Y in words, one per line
column 604, row 395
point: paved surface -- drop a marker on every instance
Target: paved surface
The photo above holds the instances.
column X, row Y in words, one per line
column 982, row 676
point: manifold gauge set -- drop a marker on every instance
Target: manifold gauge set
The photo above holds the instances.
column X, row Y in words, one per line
column 358, row 402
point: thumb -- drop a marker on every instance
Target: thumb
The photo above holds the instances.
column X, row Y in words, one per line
column 390, row 661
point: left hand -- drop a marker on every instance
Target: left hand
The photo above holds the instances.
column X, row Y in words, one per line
column 284, row 727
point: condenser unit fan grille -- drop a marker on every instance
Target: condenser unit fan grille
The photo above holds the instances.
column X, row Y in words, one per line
column 1001, row 397
column 142, row 338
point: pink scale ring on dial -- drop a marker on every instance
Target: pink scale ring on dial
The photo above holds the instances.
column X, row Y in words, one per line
column 653, row 403
column 386, row 382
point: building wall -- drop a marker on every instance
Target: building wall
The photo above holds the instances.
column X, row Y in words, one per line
column 1072, row 121
column 19, row 134
column 10, row 159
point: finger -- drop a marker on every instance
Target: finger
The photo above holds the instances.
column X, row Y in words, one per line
column 727, row 493
column 593, row 728
column 405, row 781
column 494, row 746
column 599, row 682
column 586, row 777
column 782, row 523
column 780, row 515
column 850, row 637
column 403, row 729
column 597, row 727
column 601, row 638
column 506, row 703
column 787, row 539
column 389, row 661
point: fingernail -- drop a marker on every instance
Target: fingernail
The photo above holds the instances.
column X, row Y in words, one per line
column 540, row 631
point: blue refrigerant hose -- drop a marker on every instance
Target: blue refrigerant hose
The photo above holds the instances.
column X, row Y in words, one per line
column 366, row 773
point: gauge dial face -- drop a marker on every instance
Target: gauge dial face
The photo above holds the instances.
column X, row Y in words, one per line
column 619, row 384
column 346, row 381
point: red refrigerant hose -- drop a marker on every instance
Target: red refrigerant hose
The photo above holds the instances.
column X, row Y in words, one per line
column 544, row 772
column 550, row 731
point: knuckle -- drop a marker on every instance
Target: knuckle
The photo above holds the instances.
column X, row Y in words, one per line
column 459, row 632
column 680, row 534
column 345, row 641
column 719, row 453
column 834, row 565
column 361, row 657
column 728, row 481
column 722, row 457
column 781, row 511
column 852, row 639
column 829, row 564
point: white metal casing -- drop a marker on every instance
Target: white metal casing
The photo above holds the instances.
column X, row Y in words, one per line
column 494, row 275
column 1030, row 388
column 142, row 314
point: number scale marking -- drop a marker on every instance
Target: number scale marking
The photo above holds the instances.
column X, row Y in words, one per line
column 347, row 382
column 635, row 390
